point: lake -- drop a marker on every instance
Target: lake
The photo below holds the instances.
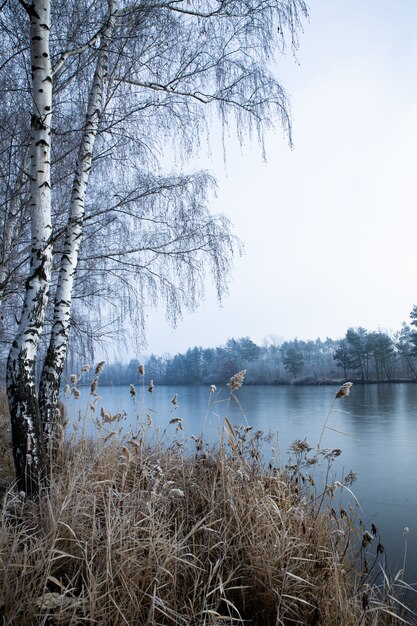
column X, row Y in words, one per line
column 380, row 445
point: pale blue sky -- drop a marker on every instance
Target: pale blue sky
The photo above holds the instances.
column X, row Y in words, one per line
column 330, row 228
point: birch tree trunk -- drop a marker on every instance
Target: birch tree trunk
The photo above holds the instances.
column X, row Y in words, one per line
column 58, row 346
column 13, row 228
column 27, row 433
column 10, row 223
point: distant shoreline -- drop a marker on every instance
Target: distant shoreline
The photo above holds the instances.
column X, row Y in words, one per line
column 296, row 383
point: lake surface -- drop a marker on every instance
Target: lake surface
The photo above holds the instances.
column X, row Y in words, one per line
column 381, row 445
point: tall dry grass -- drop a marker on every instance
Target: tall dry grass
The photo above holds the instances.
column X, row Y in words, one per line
column 135, row 535
column 6, row 458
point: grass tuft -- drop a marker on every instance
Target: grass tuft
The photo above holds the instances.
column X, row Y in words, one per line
column 135, row 534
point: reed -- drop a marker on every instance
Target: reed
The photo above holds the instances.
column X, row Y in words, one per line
column 130, row 533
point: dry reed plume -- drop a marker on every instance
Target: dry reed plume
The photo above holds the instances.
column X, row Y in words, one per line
column 344, row 390
column 236, row 381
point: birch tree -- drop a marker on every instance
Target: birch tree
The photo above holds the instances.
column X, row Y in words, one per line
column 28, row 444
column 14, row 196
column 14, row 212
column 132, row 82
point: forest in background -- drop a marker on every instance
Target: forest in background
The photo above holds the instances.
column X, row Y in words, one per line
column 361, row 355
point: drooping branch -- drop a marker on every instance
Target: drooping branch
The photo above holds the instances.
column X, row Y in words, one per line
column 94, row 41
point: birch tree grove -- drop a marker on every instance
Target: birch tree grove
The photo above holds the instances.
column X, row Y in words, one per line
column 131, row 87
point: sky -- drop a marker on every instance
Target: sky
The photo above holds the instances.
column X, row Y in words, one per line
column 329, row 227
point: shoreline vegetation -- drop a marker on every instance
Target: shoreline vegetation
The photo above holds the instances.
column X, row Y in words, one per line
column 133, row 532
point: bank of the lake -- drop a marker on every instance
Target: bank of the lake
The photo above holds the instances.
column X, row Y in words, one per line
column 380, row 422
column 133, row 532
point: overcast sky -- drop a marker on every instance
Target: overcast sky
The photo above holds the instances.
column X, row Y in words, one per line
column 330, row 228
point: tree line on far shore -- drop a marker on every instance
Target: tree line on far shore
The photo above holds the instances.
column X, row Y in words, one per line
column 361, row 355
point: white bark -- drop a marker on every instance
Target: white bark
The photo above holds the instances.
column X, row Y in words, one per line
column 13, row 229
column 57, row 351
column 40, row 205
column 10, row 223
column 26, row 427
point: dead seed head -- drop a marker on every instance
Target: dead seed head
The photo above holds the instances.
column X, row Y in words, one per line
column 85, row 368
column 141, row 369
column 213, row 388
column 334, row 453
column 126, row 453
column 75, row 392
column 132, row 391
column 236, row 381
column 60, row 434
column 344, row 390
column 350, row 478
column 151, row 387
column 94, row 386
column 66, row 390
column 178, row 422
column 52, row 600
column 299, row 446
column 100, row 367
column 74, row 379
column 57, row 414
column 176, row 493
column 156, row 470
column 366, row 538
column 174, row 400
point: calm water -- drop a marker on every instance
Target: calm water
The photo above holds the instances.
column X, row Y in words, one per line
column 381, row 421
